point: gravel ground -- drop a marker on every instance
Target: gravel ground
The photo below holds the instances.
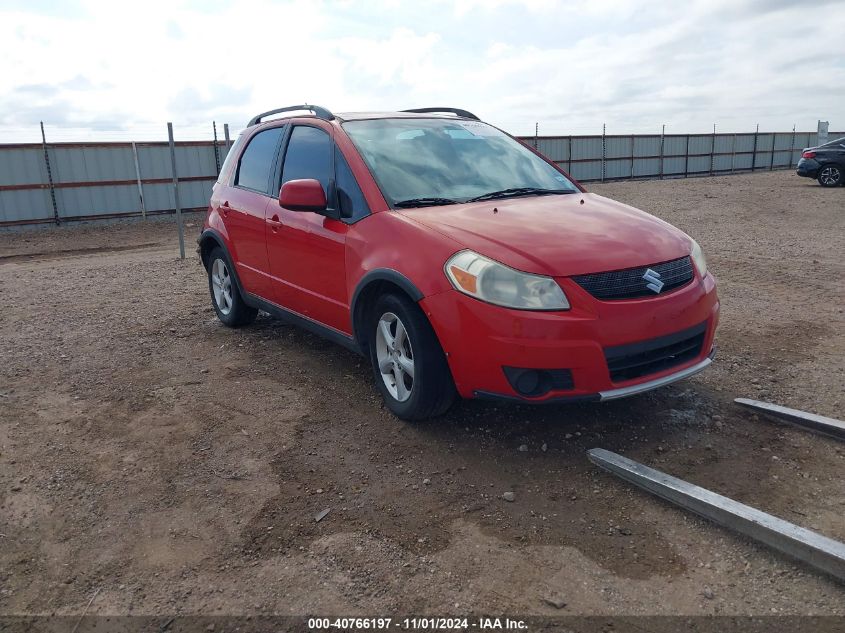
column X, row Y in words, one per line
column 176, row 466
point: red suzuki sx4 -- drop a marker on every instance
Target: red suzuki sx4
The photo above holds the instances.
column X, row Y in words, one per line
column 457, row 259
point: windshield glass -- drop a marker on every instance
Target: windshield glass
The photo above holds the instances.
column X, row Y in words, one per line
column 441, row 161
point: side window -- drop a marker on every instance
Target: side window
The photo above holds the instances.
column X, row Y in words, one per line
column 308, row 156
column 257, row 160
column 226, row 170
column 353, row 206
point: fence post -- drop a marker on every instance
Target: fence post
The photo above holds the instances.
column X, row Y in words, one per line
column 754, row 153
column 603, row 151
column 536, row 132
column 216, row 149
column 633, row 139
column 662, row 141
column 792, row 148
column 226, row 136
column 569, row 166
column 712, row 149
column 176, row 191
column 138, row 178
column 772, row 157
column 686, row 160
column 49, row 176
column 733, row 152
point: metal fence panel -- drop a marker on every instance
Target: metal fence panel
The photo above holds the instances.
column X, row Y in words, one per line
column 698, row 164
column 674, row 165
column 742, row 161
column 22, row 166
column 159, row 197
column 89, row 164
column 556, row 149
column 586, row 147
column 700, row 144
column 587, row 171
column 675, row 145
column 783, row 141
column 98, row 200
column 744, row 143
column 765, row 142
column 645, row 167
column 620, row 168
column 646, row 146
column 25, row 205
column 618, row 147
column 723, row 162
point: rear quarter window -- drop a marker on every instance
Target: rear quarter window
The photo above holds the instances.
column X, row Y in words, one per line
column 257, row 161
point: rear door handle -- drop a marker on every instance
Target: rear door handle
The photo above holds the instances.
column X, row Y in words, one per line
column 226, row 208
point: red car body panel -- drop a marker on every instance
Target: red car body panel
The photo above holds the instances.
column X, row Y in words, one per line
column 312, row 266
column 558, row 235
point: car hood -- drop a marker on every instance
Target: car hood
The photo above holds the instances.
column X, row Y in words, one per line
column 561, row 235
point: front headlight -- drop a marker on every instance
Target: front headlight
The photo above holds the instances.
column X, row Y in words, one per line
column 482, row 278
column 698, row 259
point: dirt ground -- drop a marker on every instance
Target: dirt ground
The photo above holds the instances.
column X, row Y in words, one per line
column 170, row 465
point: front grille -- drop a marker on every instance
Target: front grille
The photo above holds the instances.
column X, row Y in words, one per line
column 630, row 283
column 634, row 360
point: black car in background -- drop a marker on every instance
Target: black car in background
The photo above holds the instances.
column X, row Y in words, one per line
column 825, row 163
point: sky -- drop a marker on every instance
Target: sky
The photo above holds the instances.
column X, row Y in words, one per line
column 96, row 69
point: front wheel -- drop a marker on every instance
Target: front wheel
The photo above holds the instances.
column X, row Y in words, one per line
column 830, row 176
column 409, row 365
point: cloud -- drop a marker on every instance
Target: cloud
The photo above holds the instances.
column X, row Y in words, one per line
column 569, row 66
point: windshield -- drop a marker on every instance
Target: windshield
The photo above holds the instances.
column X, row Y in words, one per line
column 442, row 161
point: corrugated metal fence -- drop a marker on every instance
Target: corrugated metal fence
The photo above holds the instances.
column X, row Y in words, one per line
column 109, row 180
column 613, row 157
column 93, row 181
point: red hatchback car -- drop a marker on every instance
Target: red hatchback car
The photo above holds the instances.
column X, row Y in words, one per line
column 458, row 259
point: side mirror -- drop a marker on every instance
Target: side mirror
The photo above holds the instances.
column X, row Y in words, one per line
column 303, row 195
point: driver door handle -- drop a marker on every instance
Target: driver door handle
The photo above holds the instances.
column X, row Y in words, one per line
column 274, row 223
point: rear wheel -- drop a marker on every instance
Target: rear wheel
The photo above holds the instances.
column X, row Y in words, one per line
column 225, row 292
column 830, row 176
column 409, row 365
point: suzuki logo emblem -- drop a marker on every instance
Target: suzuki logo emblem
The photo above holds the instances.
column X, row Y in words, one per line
column 653, row 279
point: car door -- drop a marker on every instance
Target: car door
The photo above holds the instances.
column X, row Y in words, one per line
column 243, row 207
column 306, row 250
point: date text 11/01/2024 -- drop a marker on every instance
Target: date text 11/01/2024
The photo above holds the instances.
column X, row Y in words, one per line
column 414, row 624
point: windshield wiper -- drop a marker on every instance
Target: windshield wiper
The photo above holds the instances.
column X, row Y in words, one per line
column 424, row 202
column 519, row 191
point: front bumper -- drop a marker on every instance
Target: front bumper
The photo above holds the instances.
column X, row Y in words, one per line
column 480, row 339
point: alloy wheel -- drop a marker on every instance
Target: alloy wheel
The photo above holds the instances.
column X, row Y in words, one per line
column 830, row 175
column 221, row 283
column 395, row 356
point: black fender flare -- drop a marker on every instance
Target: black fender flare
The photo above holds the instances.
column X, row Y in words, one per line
column 376, row 275
column 214, row 236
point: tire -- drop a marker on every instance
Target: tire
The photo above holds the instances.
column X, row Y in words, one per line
column 429, row 391
column 830, row 176
column 226, row 293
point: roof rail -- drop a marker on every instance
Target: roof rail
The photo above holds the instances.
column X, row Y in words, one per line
column 458, row 111
column 321, row 113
